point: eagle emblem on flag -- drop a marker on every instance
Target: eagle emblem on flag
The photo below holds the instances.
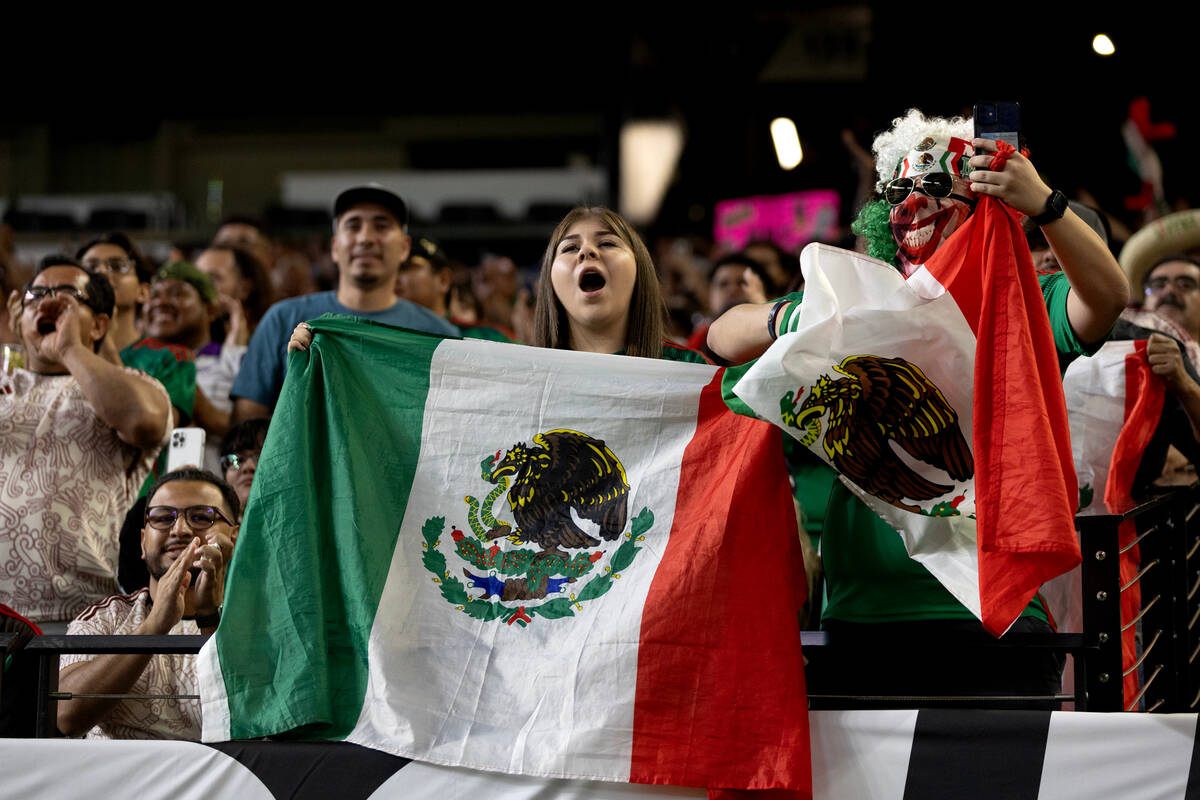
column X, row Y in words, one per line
column 568, row 494
column 880, row 401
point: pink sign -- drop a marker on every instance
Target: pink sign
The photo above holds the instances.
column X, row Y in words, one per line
column 789, row 220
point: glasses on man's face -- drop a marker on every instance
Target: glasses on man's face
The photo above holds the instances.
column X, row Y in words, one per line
column 198, row 518
column 34, row 294
column 935, row 184
column 1181, row 283
column 111, row 266
column 238, row 461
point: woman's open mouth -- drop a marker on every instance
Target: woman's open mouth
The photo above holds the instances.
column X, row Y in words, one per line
column 591, row 281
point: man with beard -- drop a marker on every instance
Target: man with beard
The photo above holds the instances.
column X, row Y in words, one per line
column 931, row 174
column 80, row 434
column 1172, row 307
column 187, row 540
column 370, row 241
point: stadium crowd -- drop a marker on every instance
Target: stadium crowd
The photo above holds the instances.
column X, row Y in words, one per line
column 108, row 353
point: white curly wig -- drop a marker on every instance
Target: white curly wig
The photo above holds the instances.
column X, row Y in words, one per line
column 906, row 132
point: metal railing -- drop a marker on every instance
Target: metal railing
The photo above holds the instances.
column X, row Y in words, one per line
column 47, row 649
column 1166, row 532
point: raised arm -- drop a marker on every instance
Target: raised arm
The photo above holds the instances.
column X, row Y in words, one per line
column 1099, row 290
column 742, row 332
column 135, row 406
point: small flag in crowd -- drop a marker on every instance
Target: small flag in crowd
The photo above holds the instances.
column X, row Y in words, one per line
column 1115, row 405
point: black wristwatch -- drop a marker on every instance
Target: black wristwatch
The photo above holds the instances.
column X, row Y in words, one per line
column 1056, row 206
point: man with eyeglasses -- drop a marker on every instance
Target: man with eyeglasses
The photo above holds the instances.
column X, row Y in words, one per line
column 80, row 436
column 1169, row 318
column 931, row 174
column 187, row 540
column 1172, row 291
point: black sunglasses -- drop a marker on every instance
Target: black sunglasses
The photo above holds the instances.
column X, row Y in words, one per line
column 939, row 185
column 198, row 518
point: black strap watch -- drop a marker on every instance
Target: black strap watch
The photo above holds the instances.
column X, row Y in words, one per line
column 1056, row 206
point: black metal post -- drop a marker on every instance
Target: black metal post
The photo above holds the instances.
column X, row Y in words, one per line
column 1101, row 610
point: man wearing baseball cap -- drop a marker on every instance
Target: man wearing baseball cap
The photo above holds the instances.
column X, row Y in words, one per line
column 370, row 241
column 425, row 278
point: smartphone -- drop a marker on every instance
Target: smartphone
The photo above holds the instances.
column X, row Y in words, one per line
column 1001, row 121
column 186, row 448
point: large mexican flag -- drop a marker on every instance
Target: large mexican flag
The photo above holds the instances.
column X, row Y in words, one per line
column 938, row 399
column 516, row 559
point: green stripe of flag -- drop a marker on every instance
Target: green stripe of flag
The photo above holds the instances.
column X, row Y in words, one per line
column 316, row 543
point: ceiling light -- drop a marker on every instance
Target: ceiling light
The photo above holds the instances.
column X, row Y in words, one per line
column 787, row 142
column 1103, row 45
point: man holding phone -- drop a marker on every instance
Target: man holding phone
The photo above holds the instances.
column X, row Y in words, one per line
column 187, row 540
column 931, row 174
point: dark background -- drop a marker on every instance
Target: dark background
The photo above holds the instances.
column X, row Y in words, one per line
column 534, row 87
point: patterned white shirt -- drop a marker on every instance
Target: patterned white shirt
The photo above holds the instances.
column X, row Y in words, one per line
column 66, row 483
column 165, row 674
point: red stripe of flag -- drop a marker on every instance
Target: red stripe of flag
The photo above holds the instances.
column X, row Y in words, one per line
column 1144, row 396
column 720, row 698
column 1025, row 485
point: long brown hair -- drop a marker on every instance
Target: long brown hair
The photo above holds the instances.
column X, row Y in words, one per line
column 647, row 309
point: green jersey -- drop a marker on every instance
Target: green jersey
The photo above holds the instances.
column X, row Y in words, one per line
column 175, row 368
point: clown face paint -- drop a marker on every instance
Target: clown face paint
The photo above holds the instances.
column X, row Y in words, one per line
column 921, row 223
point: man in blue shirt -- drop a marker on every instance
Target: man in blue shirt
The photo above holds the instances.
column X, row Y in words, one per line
column 370, row 241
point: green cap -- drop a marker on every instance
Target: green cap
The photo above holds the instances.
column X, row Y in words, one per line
column 188, row 272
